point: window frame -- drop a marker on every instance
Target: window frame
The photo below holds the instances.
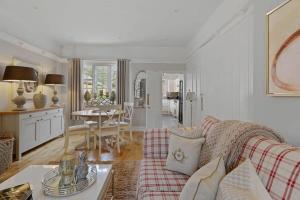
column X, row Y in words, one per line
column 94, row 78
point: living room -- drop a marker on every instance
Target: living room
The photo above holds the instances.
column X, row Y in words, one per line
column 81, row 99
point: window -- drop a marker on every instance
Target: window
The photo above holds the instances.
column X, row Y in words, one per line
column 99, row 78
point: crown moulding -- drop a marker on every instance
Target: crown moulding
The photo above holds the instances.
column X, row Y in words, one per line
column 34, row 49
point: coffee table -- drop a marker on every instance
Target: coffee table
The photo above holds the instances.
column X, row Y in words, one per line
column 33, row 175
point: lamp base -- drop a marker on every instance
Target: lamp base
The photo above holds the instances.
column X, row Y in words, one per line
column 20, row 100
column 19, row 109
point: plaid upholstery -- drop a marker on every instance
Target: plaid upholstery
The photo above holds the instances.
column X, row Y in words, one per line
column 207, row 123
column 156, row 142
column 277, row 164
column 158, row 195
column 154, row 177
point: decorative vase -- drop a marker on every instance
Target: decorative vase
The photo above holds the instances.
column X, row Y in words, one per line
column 67, row 170
column 87, row 96
column 101, row 93
column 112, row 97
column 39, row 100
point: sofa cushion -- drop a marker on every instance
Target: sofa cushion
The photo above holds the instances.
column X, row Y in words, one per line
column 277, row 165
column 183, row 154
column 158, row 195
column 156, row 142
column 187, row 132
column 154, row 177
column 203, row 185
column 242, row 183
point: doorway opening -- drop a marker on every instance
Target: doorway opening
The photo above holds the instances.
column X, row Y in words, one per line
column 172, row 99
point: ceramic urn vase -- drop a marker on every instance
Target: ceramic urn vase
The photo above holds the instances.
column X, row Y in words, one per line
column 39, row 100
column 87, row 96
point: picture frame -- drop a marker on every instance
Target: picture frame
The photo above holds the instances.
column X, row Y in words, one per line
column 283, row 43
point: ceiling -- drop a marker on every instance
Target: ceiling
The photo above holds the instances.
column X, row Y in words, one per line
column 51, row 24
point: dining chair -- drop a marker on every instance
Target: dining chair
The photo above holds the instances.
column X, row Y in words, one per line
column 126, row 120
column 81, row 129
column 108, row 124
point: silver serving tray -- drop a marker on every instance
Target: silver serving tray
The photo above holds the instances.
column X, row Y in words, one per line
column 50, row 183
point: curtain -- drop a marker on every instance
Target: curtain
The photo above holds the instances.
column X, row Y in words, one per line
column 123, row 81
column 76, row 97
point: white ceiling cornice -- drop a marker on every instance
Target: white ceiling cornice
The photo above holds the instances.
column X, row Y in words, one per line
column 32, row 48
column 227, row 15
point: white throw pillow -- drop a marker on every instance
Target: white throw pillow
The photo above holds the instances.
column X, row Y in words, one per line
column 242, row 183
column 204, row 183
column 187, row 132
column 183, row 154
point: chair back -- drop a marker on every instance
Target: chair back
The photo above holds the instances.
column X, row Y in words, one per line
column 109, row 116
column 128, row 109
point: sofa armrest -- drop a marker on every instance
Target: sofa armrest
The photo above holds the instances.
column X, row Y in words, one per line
column 156, row 143
column 277, row 165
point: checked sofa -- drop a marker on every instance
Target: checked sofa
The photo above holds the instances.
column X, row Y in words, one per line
column 277, row 164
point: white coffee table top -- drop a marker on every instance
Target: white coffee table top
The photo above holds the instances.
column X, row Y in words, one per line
column 34, row 175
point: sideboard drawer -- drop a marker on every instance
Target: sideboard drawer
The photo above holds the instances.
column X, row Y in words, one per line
column 56, row 111
column 32, row 115
column 41, row 113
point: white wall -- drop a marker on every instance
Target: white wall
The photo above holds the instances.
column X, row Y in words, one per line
column 44, row 65
column 281, row 113
column 227, row 61
column 220, row 64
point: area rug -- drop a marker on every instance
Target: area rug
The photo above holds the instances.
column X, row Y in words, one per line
column 125, row 180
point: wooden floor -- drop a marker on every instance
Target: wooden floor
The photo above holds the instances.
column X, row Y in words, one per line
column 53, row 151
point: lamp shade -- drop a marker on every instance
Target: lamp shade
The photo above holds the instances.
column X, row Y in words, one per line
column 19, row 73
column 54, row 79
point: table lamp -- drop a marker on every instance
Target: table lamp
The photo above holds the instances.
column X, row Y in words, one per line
column 20, row 74
column 191, row 96
column 55, row 79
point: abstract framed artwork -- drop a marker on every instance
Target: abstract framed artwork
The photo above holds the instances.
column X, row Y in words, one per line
column 283, row 38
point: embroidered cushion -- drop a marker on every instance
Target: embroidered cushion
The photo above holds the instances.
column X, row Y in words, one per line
column 183, row 154
column 203, row 184
column 187, row 132
column 242, row 183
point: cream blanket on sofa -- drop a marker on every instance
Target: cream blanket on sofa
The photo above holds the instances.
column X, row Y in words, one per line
column 228, row 137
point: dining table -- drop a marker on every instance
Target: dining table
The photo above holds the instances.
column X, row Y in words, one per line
column 92, row 114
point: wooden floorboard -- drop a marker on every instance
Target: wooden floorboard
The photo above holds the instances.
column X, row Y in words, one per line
column 53, row 151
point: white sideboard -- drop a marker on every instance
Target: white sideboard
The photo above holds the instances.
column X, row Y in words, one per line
column 32, row 127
